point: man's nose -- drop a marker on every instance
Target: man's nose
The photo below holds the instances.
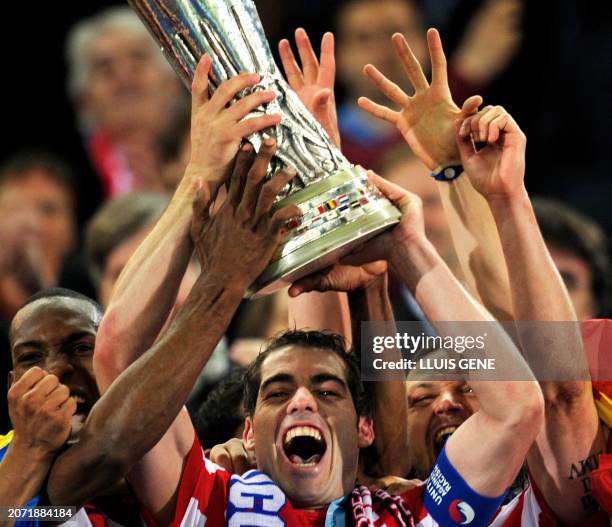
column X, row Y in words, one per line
column 302, row 401
column 60, row 366
column 446, row 403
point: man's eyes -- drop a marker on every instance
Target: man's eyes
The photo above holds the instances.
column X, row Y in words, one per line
column 421, row 400
column 30, row 357
column 83, row 348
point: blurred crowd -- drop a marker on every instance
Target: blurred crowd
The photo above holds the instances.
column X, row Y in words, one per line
column 545, row 64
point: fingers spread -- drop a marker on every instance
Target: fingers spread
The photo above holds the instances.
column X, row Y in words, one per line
column 199, row 86
column 439, row 75
column 390, row 89
column 229, row 89
column 378, row 110
column 247, row 104
column 271, row 189
column 310, row 64
column 292, row 70
column 409, row 61
column 256, row 176
column 244, row 160
column 327, row 69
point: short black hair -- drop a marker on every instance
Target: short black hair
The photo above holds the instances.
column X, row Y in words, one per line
column 54, row 292
column 221, row 414
column 324, row 340
column 569, row 230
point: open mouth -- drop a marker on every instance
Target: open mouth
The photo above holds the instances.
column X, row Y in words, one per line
column 442, row 436
column 304, row 446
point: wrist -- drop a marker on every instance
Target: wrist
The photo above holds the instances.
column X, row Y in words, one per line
column 503, row 203
column 37, row 455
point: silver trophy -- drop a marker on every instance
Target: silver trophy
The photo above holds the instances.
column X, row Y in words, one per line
column 341, row 209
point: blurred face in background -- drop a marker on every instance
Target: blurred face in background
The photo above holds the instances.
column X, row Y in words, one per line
column 364, row 35
column 578, row 280
column 118, row 258
column 128, row 88
column 46, row 208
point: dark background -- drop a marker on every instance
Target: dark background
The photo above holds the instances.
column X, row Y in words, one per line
column 558, row 88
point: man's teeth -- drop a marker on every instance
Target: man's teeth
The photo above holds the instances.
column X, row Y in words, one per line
column 444, row 432
column 302, row 431
column 78, row 399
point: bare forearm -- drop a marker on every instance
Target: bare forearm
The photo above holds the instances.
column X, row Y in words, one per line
column 372, row 304
column 449, row 307
column 21, row 475
column 146, row 289
column 477, row 245
column 145, row 399
column 325, row 311
column 537, row 290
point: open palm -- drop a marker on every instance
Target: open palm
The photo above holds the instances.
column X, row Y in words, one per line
column 427, row 119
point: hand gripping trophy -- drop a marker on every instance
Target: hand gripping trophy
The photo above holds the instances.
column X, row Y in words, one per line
column 341, row 208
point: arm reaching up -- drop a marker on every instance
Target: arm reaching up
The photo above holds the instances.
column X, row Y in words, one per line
column 511, row 412
column 234, row 246
column 152, row 276
column 427, row 122
column 572, row 432
column 314, row 85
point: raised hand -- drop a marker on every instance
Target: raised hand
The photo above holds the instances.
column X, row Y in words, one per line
column 217, row 130
column 41, row 411
column 368, row 263
column 238, row 240
column 314, row 83
column 498, row 169
column 340, row 277
column 427, row 119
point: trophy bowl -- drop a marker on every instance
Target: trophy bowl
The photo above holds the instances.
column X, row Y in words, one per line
column 341, row 208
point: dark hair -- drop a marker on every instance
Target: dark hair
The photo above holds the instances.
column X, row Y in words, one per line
column 324, row 340
column 567, row 229
column 221, row 414
column 54, row 292
column 57, row 169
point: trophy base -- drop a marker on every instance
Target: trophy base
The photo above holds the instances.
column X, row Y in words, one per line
column 340, row 212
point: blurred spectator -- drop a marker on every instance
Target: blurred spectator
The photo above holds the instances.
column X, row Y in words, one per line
column 364, row 29
column 37, row 236
column 221, row 416
column 115, row 232
column 37, row 205
column 122, row 87
column 113, row 235
column 174, row 143
column 579, row 249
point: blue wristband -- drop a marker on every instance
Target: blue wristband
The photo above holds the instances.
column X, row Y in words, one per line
column 450, row 500
column 448, row 173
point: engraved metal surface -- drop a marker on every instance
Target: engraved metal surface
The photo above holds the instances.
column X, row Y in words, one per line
column 231, row 33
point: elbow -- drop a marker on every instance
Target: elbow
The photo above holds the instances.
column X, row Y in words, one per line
column 106, row 364
column 527, row 417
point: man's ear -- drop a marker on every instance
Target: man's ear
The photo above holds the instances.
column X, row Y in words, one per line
column 248, row 436
column 11, row 378
column 365, row 431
